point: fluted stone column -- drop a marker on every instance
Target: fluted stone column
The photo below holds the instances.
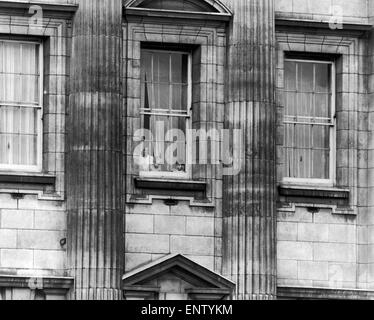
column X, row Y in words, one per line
column 94, row 171
column 365, row 217
column 249, row 207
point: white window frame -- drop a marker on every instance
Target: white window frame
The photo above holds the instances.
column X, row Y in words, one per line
column 332, row 170
column 188, row 170
column 38, row 167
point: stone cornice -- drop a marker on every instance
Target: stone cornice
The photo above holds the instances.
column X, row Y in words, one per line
column 65, row 11
column 300, row 25
column 171, row 14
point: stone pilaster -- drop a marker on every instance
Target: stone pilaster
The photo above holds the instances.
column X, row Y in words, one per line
column 249, row 208
column 94, row 156
column 367, row 266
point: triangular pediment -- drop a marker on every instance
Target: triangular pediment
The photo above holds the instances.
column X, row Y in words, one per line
column 180, row 266
column 203, row 6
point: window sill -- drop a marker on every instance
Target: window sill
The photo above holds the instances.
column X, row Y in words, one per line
column 306, row 293
column 11, row 281
column 319, row 192
column 27, row 178
column 170, row 184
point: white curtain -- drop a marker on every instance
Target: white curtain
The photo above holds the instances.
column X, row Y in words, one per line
column 19, row 102
column 308, row 120
column 164, row 79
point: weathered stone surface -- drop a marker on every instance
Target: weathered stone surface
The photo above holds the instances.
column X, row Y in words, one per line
column 318, row 248
column 249, row 206
column 146, row 243
column 288, row 250
column 94, row 152
column 17, row 219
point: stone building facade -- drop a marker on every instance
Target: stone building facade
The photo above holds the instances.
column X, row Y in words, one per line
column 288, row 214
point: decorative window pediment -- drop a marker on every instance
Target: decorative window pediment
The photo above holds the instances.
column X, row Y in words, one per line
column 196, row 281
column 203, row 7
column 180, row 5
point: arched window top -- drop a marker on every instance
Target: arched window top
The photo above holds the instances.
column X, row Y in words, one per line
column 208, row 6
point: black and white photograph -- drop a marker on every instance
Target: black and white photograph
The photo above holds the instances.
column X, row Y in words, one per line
column 186, row 155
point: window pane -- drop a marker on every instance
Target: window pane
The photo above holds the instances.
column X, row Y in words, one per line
column 164, row 94
column 290, row 75
column 147, row 95
column 30, row 89
column 321, row 164
column 18, row 136
column 323, row 77
column 165, row 154
column 12, row 57
column 185, row 69
column 322, row 104
column 179, row 126
column 305, row 77
column 308, row 120
column 162, row 67
column 19, row 73
column 302, row 136
column 321, row 137
column 146, row 70
column 19, row 89
column 176, row 67
column 160, row 125
column 165, row 88
column 291, row 104
column 304, row 104
column 177, row 103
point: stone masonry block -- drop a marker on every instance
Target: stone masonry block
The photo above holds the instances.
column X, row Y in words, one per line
column 16, row 259
column 139, row 223
column 287, row 231
column 288, row 250
column 49, row 259
column 205, row 261
column 200, row 226
column 311, row 270
column 342, row 272
column 342, row 233
column 147, row 243
column 170, row 225
column 36, row 239
column 8, row 239
column 326, row 217
column 287, row 269
column 334, row 252
column 134, row 260
column 202, row 246
column 312, row 232
column 6, row 201
column 17, row 219
column 50, row 220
